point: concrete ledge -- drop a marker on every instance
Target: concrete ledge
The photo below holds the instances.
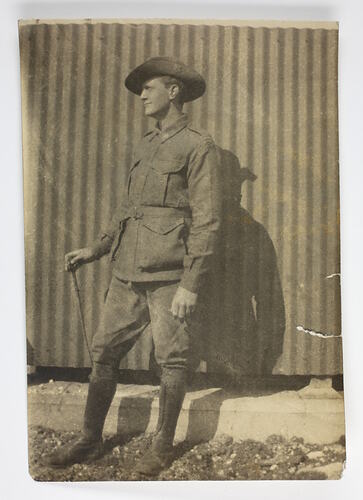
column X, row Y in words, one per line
column 315, row 413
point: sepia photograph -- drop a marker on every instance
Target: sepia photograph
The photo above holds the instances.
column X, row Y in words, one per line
column 182, row 250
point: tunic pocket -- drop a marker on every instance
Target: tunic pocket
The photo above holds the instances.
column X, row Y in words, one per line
column 165, row 182
column 162, row 244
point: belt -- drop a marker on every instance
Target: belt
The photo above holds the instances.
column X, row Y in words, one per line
column 138, row 212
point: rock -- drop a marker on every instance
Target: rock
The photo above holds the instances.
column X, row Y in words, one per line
column 337, row 448
column 314, row 455
column 275, row 439
column 268, row 462
column 298, row 440
column 342, row 440
column 246, row 459
column 320, row 389
column 331, row 471
column 297, row 458
column 223, row 439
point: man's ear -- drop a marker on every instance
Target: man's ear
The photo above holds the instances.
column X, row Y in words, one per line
column 173, row 91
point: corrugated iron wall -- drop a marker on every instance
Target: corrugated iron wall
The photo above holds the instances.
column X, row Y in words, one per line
column 271, row 100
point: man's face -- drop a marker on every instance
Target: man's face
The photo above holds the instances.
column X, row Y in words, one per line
column 156, row 98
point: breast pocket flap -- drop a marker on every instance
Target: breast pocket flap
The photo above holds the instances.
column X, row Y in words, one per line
column 168, row 165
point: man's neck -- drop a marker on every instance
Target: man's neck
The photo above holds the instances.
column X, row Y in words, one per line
column 172, row 116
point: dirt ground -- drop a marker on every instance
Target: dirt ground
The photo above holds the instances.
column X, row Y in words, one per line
column 220, row 459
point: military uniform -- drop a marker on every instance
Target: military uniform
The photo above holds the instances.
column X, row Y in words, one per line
column 162, row 237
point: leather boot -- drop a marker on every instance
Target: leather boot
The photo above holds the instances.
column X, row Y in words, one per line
column 89, row 446
column 100, row 396
column 172, row 392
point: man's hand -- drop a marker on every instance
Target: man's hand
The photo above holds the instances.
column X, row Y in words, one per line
column 183, row 304
column 75, row 259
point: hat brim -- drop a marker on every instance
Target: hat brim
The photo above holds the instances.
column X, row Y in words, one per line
column 194, row 83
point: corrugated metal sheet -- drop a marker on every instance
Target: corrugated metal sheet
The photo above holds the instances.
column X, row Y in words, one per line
column 271, row 100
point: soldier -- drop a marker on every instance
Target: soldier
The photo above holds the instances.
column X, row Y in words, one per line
column 161, row 240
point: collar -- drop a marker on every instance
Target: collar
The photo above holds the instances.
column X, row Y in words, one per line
column 171, row 130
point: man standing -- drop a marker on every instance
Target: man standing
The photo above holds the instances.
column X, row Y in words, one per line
column 161, row 241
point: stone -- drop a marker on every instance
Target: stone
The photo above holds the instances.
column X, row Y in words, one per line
column 314, row 455
column 207, row 414
column 337, row 448
column 332, row 471
column 223, row 439
column 319, row 388
column 297, row 458
column 267, row 462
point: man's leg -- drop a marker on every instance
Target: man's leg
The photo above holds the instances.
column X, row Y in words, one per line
column 172, row 348
column 172, row 392
column 125, row 317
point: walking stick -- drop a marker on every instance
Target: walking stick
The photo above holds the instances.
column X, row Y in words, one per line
column 76, row 288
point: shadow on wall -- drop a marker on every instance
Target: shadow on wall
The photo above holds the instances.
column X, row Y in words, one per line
column 242, row 315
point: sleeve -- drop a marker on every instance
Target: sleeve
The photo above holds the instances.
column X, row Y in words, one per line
column 204, row 188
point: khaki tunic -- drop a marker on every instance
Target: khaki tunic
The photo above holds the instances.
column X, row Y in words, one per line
column 168, row 222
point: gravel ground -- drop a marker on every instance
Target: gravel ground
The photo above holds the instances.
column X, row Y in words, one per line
column 220, row 459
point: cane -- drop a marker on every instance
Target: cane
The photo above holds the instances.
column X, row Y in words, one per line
column 76, row 288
